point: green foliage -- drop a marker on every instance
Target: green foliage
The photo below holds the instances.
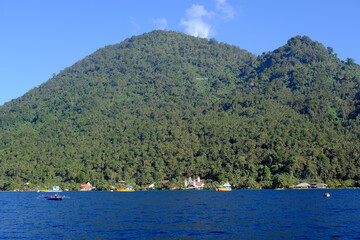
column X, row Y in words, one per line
column 165, row 105
column 81, row 177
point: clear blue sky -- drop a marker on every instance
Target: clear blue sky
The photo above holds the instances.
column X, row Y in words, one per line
column 42, row 37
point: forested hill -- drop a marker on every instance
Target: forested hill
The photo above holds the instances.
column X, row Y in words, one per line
column 165, row 105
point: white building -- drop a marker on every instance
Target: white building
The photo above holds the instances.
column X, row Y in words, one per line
column 194, row 184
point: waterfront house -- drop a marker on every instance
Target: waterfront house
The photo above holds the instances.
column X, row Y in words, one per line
column 151, row 186
column 302, row 186
column 174, row 188
column 86, row 187
column 318, row 185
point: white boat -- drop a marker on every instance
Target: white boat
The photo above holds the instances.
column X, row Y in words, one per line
column 224, row 188
column 53, row 189
column 127, row 189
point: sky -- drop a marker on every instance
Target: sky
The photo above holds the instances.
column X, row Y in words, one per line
column 40, row 38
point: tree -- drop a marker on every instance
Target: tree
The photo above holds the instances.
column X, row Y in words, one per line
column 330, row 50
column 81, row 177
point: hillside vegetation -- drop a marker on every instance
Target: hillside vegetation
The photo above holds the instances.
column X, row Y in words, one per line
column 165, row 105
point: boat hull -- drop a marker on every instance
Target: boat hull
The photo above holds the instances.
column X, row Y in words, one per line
column 54, row 198
column 222, row 189
column 49, row 190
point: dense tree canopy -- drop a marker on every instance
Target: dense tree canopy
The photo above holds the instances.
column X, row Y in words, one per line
column 165, row 105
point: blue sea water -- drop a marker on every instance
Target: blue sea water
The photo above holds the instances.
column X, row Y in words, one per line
column 245, row 214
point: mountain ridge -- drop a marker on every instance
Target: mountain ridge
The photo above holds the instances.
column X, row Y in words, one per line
column 168, row 105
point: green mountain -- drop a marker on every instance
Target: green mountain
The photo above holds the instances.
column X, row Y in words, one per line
column 165, row 105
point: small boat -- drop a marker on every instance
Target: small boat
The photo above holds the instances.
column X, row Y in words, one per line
column 55, row 197
column 53, row 189
column 224, row 188
column 326, row 195
column 127, row 189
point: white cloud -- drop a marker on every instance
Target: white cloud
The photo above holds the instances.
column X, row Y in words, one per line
column 200, row 22
column 225, row 8
column 160, row 23
column 198, row 11
column 196, row 21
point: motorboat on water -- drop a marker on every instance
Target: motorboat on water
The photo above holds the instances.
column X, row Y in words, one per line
column 126, row 189
column 53, row 189
column 55, row 197
column 224, row 188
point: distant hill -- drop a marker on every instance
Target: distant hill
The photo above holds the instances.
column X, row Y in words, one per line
column 165, row 105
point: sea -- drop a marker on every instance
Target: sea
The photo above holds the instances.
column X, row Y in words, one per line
column 207, row 214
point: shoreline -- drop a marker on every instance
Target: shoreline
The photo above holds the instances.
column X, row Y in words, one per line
column 266, row 189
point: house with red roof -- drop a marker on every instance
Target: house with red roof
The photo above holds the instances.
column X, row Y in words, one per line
column 86, row 187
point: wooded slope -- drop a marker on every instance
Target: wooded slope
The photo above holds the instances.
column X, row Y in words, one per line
column 165, row 105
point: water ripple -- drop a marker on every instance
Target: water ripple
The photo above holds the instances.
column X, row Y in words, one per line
column 182, row 215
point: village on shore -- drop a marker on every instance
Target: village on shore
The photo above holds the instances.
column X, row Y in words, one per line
column 189, row 184
column 199, row 184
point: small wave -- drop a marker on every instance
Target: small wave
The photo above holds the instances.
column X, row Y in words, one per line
column 220, row 233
